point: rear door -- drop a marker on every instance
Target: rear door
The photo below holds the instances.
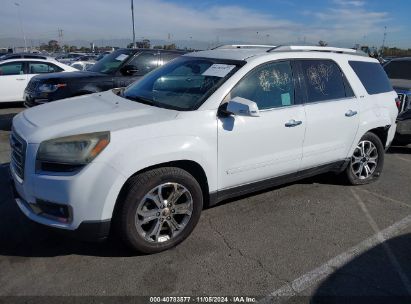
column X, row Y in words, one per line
column 332, row 112
column 13, row 81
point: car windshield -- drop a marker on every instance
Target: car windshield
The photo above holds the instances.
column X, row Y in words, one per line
column 399, row 69
column 110, row 63
column 101, row 56
column 183, row 84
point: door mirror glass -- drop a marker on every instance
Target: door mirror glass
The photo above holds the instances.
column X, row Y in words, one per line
column 243, row 107
column 129, row 70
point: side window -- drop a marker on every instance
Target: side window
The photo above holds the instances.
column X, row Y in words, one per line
column 323, row 80
column 166, row 57
column 145, row 62
column 372, row 76
column 269, row 86
column 12, row 68
column 348, row 90
column 54, row 68
column 398, row 69
column 43, row 68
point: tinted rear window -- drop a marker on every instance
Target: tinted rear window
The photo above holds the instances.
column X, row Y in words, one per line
column 324, row 80
column 399, row 69
column 372, row 76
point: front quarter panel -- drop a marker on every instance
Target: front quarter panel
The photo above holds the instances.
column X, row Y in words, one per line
column 193, row 139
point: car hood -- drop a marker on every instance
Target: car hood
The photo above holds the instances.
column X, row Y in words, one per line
column 401, row 84
column 85, row 114
column 69, row 75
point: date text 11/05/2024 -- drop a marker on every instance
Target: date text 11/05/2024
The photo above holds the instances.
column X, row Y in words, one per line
column 203, row 299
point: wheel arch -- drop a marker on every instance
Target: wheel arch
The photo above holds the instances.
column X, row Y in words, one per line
column 381, row 133
column 192, row 167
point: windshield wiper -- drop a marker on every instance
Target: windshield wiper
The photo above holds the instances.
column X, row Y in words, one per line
column 140, row 99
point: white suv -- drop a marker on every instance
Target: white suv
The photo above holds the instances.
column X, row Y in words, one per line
column 205, row 127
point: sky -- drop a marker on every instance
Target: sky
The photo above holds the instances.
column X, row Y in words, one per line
column 338, row 22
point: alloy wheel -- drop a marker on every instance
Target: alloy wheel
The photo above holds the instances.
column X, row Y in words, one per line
column 164, row 212
column 364, row 161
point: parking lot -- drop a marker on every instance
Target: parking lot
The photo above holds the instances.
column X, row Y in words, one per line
column 310, row 238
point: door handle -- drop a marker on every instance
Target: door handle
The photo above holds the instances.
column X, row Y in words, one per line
column 351, row 113
column 293, row 123
column 20, row 79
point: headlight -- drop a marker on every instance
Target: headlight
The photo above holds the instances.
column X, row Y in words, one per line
column 73, row 150
column 49, row 88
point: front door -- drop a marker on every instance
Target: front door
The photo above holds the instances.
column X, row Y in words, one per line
column 253, row 149
column 143, row 63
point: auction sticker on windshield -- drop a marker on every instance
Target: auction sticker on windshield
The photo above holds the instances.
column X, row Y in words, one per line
column 218, row 70
column 121, row 57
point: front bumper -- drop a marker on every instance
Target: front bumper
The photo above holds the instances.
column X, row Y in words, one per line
column 87, row 230
column 87, row 198
column 34, row 98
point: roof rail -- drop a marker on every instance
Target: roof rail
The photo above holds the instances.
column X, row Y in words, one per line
column 244, row 46
column 305, row 48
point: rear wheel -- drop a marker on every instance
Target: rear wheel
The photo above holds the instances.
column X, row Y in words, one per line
column 367, row 161
column 161, row 209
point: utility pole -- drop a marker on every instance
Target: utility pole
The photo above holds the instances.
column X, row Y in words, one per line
column 383, row 41
column 132, row 19
column 21, row 25
column 60, row 34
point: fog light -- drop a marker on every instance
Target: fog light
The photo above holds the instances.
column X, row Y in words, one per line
column 57, row 212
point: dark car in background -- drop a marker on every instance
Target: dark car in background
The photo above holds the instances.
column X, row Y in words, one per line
column 86, row 58
column 69, row 57
column 399, row 72
column 116, row 70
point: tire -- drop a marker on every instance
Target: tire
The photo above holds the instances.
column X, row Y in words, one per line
column 160, row 210
column 365, row 168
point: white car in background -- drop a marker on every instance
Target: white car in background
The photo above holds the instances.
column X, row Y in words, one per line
column 15, row 74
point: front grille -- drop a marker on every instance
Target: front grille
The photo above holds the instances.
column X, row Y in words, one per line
column 18, row 154
column 32, row 85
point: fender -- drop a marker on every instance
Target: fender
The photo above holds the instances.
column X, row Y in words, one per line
column 138, row 155
column 372, row 118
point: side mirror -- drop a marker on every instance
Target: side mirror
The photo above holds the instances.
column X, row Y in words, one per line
column 129, row 70
column 242, row 107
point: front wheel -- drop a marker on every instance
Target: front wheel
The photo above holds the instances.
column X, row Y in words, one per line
column 367, row 161
column 161, row 209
